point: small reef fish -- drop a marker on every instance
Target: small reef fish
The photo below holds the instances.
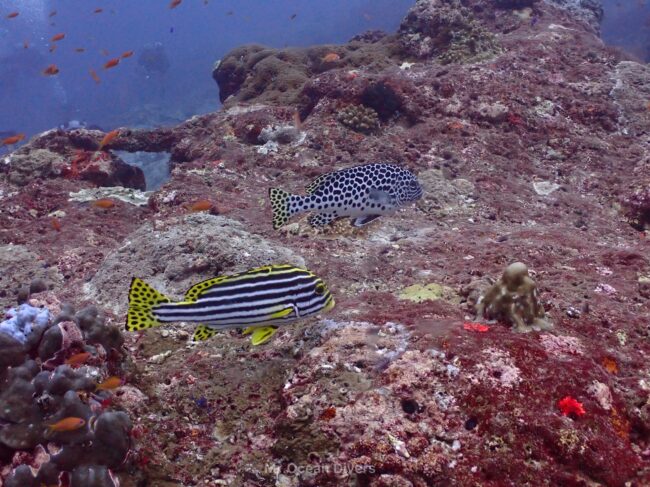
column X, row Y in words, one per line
column 98, row 10
column 127, row 54
column 52, row 14
column 108, row 138
column 14, row 139
column 13, row 15
column 94, row 76
column 56, row 224
column 293, row 16
column 104, row 203
column 175, row 3
column 67, row 424
column 51, row 70
column 331, row 57
column 363, row 193
column 111, row 63
column 261, row 299
column 110, row 383
column 25, row 45
column 80, row 49
column 78, row 358
column 58, row 37
column 52, row 48
column 201, row 205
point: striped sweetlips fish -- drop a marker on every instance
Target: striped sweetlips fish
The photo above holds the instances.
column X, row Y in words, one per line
column 363, row 193
column 260, row 300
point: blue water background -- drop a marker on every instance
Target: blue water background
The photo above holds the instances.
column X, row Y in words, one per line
column 193, row 36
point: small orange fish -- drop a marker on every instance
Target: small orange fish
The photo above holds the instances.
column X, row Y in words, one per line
column 175, row 3
column 67, row 424
column 14, row 139
column 201, row 205
column 127, row 54
column 52, row 13
column 104, row 203
column 331, row 57
column 78, row 358
column 51, row 70
column 58, row 37
column 26, row 45
column 56, row 225
column 112, row 63
column 110, row 383
column 53, row 48
column 12, row 15
column 93, row 73
column 79, row 49
column 98, row 10
column 108, row 138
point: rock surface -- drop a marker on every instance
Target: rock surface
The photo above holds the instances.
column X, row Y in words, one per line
column 529, row 137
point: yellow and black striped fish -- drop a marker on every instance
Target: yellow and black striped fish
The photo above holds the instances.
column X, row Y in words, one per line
column 260, row 299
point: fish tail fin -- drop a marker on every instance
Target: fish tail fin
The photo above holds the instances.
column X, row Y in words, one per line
column 142, row 299
column 280, row 206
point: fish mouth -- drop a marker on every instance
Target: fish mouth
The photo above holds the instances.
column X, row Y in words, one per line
column 329, row 305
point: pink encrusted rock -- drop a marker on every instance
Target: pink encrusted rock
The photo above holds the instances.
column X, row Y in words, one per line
column 561, row 345
column 497, row 369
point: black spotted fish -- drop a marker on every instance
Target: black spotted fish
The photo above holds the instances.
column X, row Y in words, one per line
column 260, row 299
column 363, row 193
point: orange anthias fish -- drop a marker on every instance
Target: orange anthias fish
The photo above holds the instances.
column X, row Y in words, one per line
column 12, row 15
column 52, row 48
column 52, row 13
column 58, row 37
column 108, row 138
column 112, row 63
column 175, row 3
column 110, row 383
column 201, row 205
column 51, row 70
column 26, row 44
column 14, row 139
column 331, row 57
column 98, row 10
column 93, row 73
column 104, row 203
column 78, row 358
column 127, row 54
column 56, row 225
column 67, row 424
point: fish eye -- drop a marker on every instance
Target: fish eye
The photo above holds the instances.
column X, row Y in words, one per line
column 320, row 288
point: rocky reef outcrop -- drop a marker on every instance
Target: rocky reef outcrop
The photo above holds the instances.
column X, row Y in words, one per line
column 528, row 136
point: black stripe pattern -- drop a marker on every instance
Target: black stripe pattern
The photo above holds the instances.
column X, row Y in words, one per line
column 274, row 295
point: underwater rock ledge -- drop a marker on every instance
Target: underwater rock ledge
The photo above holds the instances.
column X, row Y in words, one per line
column 527, row 136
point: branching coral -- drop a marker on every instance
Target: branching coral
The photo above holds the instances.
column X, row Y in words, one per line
column 514, row 299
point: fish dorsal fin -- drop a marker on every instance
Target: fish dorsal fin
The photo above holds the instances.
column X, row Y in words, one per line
column 313, row 186
column 198, row 289
column 203, row 332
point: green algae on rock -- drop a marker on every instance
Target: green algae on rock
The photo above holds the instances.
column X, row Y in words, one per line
column 432, row 291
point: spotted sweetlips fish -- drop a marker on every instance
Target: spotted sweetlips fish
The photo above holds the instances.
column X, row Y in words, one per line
column 260, row 300
column 363, row 193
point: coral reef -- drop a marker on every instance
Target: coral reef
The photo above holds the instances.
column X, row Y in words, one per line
column 359, row 118
column 57, row 424
column 537, row 154
column 515, row 300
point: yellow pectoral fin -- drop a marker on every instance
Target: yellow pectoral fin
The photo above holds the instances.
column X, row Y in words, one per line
column 283, row 313
column 262, row 334
column 203, row 332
